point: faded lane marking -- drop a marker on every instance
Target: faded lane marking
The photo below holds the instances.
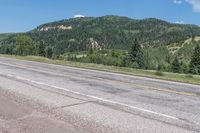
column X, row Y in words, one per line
column 93, row 97
column 109, row 81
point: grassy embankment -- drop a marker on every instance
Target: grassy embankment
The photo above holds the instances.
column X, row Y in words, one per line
column 194, row 79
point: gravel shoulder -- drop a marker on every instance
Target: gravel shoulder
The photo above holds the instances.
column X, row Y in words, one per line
column 18, row 116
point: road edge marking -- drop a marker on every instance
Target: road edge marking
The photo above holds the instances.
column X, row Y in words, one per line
column 91, row 96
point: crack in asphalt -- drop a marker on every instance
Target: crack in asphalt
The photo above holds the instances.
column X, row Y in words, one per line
column 71, row 105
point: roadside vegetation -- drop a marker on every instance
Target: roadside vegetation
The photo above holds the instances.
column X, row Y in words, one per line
column 113, row 42
column 133, row 62
column 186, row 60
column 187, row 78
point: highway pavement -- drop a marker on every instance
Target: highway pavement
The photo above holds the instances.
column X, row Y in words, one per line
column 38, row 97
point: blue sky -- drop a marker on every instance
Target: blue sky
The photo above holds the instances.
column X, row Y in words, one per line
column 24, row 15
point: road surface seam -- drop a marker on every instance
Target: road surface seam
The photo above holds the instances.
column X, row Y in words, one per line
column 115, row 81
column 94, row 97
column 127, row 110
column 71, row 105
column 48, row 90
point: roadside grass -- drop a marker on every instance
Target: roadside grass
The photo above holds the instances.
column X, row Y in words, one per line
column 193, row 79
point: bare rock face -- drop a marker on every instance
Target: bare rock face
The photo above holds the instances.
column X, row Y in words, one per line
column 60, row 27
column 95, row 45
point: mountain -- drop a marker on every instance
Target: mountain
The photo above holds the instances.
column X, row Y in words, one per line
column 77, row 34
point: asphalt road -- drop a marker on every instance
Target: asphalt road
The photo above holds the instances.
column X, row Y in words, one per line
column 35, row 97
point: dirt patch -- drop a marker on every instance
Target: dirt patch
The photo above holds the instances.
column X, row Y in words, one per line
column 10, row 109
column 17, row 116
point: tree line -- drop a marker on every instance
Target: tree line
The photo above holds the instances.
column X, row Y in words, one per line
column 136, row 57
column 112, row 32
column 23, row 45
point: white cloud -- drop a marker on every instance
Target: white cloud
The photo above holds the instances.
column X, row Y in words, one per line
column 79, row 16
column 178, row 1
column 195, row 4
column 180, row 22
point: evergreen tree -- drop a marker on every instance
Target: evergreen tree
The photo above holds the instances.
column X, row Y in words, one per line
column 40, row 49
column 136, row 54
column 90, row 51
column 195, row 61
column 48, row 52
column 184, row 67
column 176, row 66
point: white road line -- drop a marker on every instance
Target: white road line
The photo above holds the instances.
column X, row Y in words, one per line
column 91, row 96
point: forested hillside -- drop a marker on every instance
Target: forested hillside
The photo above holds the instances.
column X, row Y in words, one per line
column 111, row 32
column 111, row 40
column 77, row 34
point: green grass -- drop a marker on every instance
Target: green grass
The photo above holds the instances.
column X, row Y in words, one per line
column 193, row 79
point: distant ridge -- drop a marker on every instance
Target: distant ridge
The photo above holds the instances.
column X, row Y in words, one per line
column 110, row 32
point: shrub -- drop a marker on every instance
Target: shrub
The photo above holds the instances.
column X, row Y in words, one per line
column 188, row 76
column 159, row 73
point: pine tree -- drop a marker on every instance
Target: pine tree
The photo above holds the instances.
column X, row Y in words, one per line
column 136, row 54
column 184, row 67
column 40, row 49
column 48, row 52
column 176, row 66
column 134, row 51
column 90, row 51
column 195, row 61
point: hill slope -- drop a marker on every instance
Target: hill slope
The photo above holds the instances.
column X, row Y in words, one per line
column 113, row 31
column 78, row 34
